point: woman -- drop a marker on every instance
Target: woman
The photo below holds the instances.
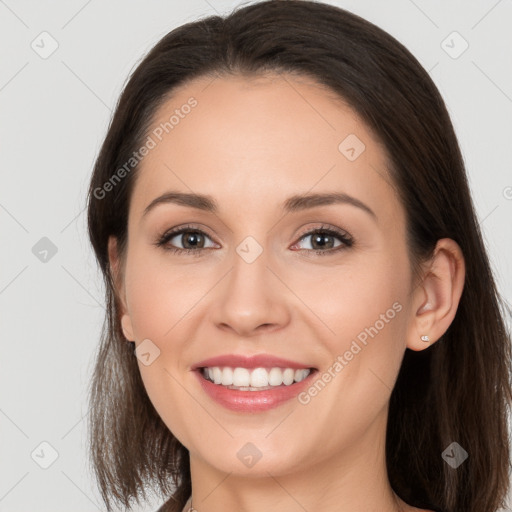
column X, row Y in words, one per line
column 280, row 210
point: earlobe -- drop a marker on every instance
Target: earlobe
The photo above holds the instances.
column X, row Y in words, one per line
column 436, row 299
column 126, row 324
column 117, row 277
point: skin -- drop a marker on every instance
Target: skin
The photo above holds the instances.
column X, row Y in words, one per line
column 252, row 143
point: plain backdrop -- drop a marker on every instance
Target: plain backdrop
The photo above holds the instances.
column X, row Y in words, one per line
column 55, row 111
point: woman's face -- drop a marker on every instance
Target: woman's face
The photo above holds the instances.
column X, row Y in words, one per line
column 257, row 281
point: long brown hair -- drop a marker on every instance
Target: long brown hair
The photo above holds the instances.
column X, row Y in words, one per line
column 458, row 390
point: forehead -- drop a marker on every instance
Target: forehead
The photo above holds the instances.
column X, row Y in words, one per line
column 261, row 138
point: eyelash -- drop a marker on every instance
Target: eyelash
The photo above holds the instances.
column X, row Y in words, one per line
column 346, row 239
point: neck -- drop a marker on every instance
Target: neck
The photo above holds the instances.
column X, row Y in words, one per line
column 352, row 480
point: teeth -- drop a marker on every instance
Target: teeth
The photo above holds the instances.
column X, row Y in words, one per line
column 217, row 375
column 288, row 376
column 241, row 376
column 252, row 380
column 259, row 378
column 275, row 377
column 227, row 377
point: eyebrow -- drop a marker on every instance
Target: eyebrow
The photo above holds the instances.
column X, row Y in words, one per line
column 292, row 204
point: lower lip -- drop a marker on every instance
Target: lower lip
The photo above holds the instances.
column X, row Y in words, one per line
column 252, row 401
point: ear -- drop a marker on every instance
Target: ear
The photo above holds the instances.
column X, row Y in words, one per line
column 117, row 275
column 436, row 299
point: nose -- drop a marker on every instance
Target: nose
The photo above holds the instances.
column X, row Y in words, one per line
column 251, row 299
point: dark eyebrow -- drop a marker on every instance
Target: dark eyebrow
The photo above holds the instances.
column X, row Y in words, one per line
column 292, row 204
column 302, row 202
column 199, row 201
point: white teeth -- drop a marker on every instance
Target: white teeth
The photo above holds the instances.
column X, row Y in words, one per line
column 217, row 375
column 288, row 376
column 299, row 375
column 275, row 377
column 259, row 378
column 241, row 377
column 252, row 380
column 227, row 376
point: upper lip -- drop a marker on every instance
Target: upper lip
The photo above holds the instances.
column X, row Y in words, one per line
column 255, row 361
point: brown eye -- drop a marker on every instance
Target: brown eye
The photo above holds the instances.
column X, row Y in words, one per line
column 323, row 240
column 191, row 239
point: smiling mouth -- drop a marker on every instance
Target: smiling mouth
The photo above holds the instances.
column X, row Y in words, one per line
column 254, row 379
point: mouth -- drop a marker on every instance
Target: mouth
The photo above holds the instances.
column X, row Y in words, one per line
column 255, row 379
column 252, row 384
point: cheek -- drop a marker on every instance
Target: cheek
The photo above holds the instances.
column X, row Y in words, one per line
column 351, row 298
column 365, row 308
column 159, row 295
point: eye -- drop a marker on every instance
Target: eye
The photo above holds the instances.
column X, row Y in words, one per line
column 323, row 240
column 192, row 240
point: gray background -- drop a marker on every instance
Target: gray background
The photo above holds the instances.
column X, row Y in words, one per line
column 54, row 114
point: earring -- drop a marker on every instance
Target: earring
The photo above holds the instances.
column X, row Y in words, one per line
column 425, row 338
